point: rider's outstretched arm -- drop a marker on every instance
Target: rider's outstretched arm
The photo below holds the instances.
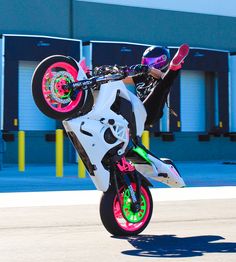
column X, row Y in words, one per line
column 128, row 80
column 156, row 73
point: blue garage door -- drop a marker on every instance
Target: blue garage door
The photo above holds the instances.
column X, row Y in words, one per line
column 30, row 118
column 1, row 85
column 233, row 95
column 193, row 104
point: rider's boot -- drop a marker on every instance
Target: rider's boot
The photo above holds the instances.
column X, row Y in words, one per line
column 178, row 59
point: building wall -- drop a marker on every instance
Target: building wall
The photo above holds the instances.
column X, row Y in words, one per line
column 88, row 20
column 39, row 148
column 51, row 17
column 96, row 21
column 144, row 25
column 213, row 7
column 187, row 147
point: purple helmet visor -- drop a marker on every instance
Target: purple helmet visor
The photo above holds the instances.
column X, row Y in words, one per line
column 159, row 62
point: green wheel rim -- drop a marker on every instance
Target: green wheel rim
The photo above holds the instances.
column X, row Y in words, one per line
column 128, row 213
column 65, row 96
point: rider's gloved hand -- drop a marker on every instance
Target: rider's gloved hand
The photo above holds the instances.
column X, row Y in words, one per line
column 140, row 68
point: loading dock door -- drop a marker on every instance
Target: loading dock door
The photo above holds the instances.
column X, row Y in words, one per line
column 193, row 101
column 233, row 95
column 30, row 117
column 1, row 85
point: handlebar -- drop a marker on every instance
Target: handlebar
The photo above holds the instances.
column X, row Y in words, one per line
column 93, row 81
column 111, row 73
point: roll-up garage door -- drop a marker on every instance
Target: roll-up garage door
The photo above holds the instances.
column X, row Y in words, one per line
column 30, row 118
column 233, row 95
column 1, row 86
column 193, row 104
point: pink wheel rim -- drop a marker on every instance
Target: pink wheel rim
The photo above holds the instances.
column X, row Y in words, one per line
column 121, row 221
column 57, row 75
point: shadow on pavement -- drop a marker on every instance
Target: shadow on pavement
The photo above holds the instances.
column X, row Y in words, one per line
column 171, row 246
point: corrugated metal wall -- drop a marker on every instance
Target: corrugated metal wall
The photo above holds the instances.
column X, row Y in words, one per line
column 95, row 21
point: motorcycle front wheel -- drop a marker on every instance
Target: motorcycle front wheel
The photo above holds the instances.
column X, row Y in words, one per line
column 121, row 220
column 47, row 88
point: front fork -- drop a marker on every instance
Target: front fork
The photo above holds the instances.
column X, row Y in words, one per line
column 127, row 170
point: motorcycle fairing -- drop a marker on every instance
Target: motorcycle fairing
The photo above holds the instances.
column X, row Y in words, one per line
column 139, row 113
column 91, row 131
column 107, row 96
column 98, row 136
column 165, row 172
column 161, row 170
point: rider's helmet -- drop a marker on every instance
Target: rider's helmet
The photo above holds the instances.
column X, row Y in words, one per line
column 157, row 57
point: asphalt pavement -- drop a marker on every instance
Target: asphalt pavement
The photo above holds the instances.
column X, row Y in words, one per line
column 199, row 230
column 44, row 218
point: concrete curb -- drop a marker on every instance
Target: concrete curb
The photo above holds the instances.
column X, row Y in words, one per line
column 88, row 197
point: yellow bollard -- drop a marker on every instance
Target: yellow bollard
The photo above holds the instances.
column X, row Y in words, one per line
column 59, row 153
column 21, row 151
column 81, row 169
column 145, row 139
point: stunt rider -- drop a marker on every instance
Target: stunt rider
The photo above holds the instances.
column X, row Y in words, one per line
column 153, row 84
column 156, row 77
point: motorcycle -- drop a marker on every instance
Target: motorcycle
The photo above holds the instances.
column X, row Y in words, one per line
column 104, row 122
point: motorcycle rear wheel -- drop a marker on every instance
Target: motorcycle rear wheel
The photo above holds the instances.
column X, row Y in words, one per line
column 125, row 222
column 47, row 88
